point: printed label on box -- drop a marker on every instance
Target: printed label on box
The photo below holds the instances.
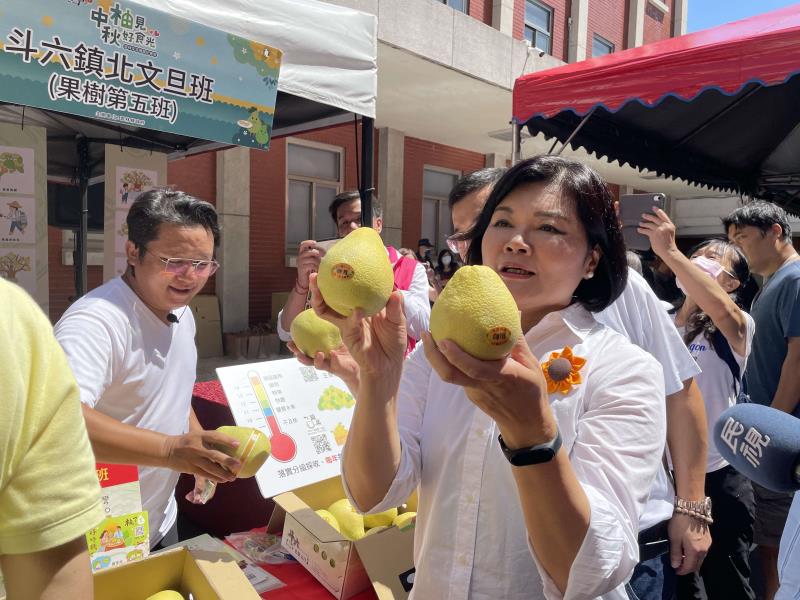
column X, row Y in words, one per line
column 118, row 540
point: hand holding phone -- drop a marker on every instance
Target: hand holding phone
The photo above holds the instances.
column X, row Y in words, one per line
column 631, row 207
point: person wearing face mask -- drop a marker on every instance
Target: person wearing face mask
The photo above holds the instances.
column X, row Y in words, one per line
column 446, row 267
column 719, row 335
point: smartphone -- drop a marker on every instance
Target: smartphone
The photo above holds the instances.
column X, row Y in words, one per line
column 326, row 244
column 631, row 207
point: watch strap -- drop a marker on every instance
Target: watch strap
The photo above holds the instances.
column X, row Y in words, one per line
column 532, row 455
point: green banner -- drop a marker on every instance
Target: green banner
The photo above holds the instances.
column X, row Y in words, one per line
column 127, row 64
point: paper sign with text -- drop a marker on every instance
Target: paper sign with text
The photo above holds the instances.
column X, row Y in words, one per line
column 306, row 414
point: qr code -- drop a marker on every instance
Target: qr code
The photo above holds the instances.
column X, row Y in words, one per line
column 321, row 443
column 309, row 374
column 139, row 530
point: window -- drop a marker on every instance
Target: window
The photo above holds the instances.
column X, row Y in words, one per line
column 539, row 25
column 436, row 223
column 601, row 46
column 314, row 173
column 459, row 5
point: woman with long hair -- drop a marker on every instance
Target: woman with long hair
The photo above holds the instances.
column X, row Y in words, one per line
column 718, row 334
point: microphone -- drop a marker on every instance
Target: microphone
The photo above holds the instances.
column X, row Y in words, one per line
column 172, row 318
column 762, row 443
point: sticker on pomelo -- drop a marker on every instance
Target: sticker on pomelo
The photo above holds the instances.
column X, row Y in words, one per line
column 342, row 271
column 244, row 123
column 497, row 336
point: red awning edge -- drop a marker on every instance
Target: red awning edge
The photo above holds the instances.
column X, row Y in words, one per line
column 763, row 48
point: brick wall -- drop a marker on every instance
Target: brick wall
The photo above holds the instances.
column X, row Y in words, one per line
column 607, row 19
column 481, row 10
column 657, row 25
column 561, row 10
column 419, row 153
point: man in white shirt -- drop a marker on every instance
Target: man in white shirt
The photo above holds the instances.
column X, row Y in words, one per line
column 667, row 543
column 346, row 213
column 130, row 344
column 789, row 555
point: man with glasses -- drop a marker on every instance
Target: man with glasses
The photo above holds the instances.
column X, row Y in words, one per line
column 409, row 275
column 130, row 343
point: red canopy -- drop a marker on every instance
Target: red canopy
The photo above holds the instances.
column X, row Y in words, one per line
column 762, row 49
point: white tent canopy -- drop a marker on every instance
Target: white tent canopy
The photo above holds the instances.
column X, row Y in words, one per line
column 330, row 53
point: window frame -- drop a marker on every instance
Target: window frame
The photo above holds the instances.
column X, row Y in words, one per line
column 526, row 25
column 597, row 38
column 439, row 200
column 466, row 6
column 291, row 252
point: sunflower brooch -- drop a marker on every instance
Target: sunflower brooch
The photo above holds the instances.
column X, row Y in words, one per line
column 562, row 371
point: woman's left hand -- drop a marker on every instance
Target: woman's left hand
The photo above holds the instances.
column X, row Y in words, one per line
column 512, row 391
column 660, row 229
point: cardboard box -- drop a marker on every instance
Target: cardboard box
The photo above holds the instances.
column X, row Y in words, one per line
column 385, row 559
column 209, row 326
column 206, row 575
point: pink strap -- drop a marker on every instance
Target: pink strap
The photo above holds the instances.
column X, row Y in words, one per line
column 403, row 267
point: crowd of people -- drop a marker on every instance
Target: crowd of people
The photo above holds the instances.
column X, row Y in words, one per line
column 580, row 466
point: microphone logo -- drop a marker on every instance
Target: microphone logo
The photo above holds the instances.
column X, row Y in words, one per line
column 751, row 446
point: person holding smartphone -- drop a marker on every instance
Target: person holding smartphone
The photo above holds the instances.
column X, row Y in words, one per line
column 409, row 275
column 719, row 335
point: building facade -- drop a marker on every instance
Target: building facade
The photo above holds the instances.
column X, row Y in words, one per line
column 446, row 70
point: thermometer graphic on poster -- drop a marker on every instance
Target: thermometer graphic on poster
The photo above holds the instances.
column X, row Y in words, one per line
column 284, row 448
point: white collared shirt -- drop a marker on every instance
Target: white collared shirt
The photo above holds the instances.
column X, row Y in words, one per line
column 643, row 319
column 470, row 540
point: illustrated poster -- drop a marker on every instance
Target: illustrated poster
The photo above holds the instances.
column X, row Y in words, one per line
column 130, row 183
column 18, row 265
column 306, row 414
column 17, row 220
column 17, row 171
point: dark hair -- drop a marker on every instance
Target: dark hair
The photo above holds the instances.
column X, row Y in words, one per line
column 472, row 182
column 699, row 321
column 594, row 208
column 344, row 197
column 164, row 206
column 761, row 214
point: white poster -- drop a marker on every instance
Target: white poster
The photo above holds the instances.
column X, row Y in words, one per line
column 19, row 266
column 120, row 231
column 17, row 170
column 17, row 220
column 132, row 182
column 306, row 414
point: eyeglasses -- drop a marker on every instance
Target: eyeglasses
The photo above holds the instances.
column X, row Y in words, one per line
column 456, row 244
column 181, row 266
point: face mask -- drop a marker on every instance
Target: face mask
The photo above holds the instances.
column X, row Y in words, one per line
column 446, row 260
column 710, row 267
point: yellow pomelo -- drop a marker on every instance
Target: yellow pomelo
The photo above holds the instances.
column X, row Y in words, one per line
column 253, row 448
column 377, row 529
column 351, row 524
column 312, row 334
column 356, row 273
column 402, row 520
column 328, row 518
column 477, row 312
column 166, row 595
column 383, row 518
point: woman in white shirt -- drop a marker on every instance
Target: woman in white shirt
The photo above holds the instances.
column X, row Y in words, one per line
column 565, row 526
column 719, row 335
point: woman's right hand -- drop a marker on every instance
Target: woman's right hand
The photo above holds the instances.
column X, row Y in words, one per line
column 377, row 343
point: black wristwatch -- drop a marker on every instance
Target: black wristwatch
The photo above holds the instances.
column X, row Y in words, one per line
column 532, row 455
